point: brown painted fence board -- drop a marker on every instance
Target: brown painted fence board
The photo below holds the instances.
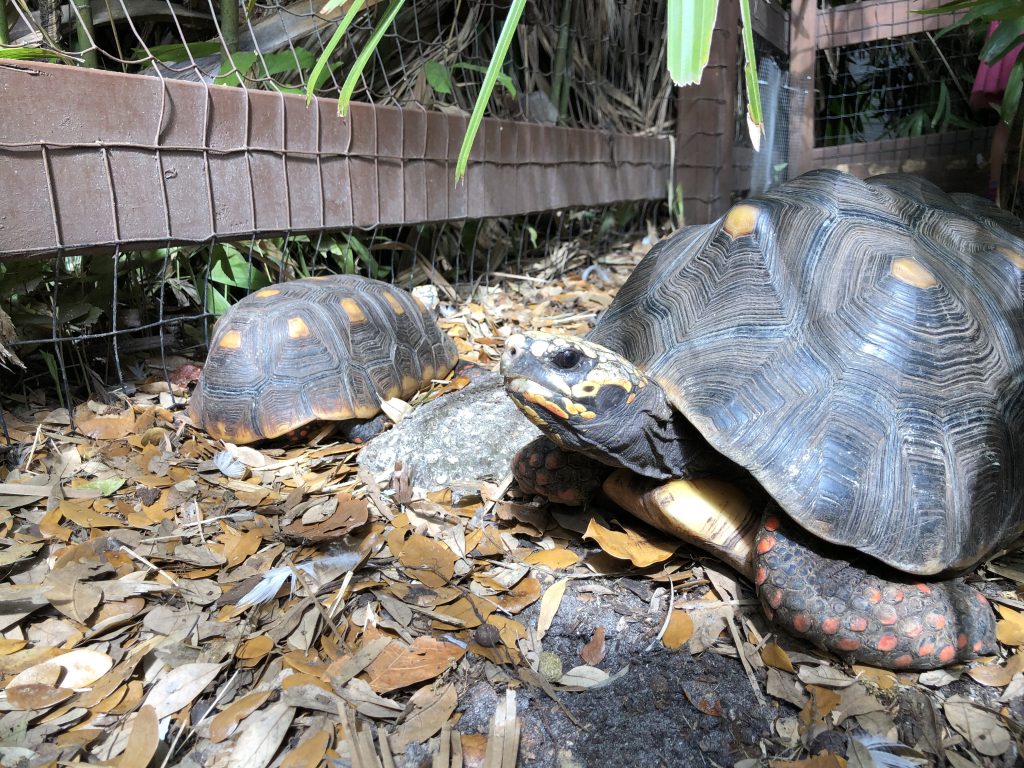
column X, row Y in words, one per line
column 101, row 159
column 866, row 22
column 948, row 159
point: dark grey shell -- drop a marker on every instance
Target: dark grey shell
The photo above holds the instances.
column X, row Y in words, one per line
column 323, row 348
column 859, row 347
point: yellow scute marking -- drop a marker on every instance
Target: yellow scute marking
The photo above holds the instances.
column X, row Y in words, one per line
column 267, row 292
column 353, row 310
column 297, row 328
column 1013, row 257
column 741, row 220
column 230, row 340
column 396, row 305
column 912, row 272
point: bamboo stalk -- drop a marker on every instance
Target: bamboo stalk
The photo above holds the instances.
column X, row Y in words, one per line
column 4, row 37
column 559, row 84
column 84, row 32
column 229, row 24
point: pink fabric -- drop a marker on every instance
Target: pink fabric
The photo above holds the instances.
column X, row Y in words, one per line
column 991, row 79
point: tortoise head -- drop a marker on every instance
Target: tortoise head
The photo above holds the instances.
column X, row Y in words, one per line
column 593, row 401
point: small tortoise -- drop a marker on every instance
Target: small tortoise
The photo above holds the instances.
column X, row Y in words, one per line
column 855, row 351
column 318, row 349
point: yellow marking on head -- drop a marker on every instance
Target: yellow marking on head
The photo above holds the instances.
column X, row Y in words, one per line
column 588, row 415
column 585, row 389
column 546, row 404
column 530, row 414
column 631, row 398
column 230, row 340
column 267, row 292
column 1013, row 257
column 912, row 272
column 741, row 220
column 297, row 328
column 353, row 310
column 396, row 305
column 573, row 407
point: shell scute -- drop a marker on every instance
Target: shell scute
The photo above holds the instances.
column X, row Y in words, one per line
column 326, row 348
column 883, row 411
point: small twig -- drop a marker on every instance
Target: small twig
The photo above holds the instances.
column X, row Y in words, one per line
column 150, row 565
column 668, row 616
column 32, row 450
column 743, row 659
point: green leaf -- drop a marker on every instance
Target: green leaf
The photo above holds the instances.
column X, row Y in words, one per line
column 364, row 56
column 438, row 77
column 504, row 80
column 233, row 69
column 293, row 60
column 689, row 24
column 1006, row 37
column 106, row 487
column 320, row 70
column 25, row 53
column 51, row 366
column 508, row 31
column 1011, row 96
column 755, row 120
column 233, row 268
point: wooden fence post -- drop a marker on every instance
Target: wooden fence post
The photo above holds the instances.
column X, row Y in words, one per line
column 803, row 30
column 706, row 125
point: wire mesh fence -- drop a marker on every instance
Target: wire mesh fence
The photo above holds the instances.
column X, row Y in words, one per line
column 597, row 65
column 903, row 87
column 90, row 321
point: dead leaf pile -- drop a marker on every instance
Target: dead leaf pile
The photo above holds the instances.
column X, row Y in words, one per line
column 169, row 594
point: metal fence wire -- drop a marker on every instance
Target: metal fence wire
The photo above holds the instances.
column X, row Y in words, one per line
column 102, row 319
column 192, row 161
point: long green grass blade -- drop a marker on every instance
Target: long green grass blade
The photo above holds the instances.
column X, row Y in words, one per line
column 689, row 24
column 755, row 120
column 508, row 32
column 364, row 56
column 319, row 73
column 1011, row 96
column 24, row 53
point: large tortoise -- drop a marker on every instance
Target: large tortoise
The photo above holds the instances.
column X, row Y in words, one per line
column 858, row 349
column 325, row 348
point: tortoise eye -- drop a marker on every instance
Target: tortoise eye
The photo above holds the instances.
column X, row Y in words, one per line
column 566, row 358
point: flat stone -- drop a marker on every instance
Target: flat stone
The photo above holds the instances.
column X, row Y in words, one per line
column 462, row 437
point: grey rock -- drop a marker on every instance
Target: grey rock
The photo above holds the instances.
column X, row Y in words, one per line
column 464, row 436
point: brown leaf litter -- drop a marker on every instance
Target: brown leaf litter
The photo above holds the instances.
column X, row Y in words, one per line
column 129, row 629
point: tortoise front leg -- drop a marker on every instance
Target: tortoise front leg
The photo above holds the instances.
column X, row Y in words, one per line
column 875, row 617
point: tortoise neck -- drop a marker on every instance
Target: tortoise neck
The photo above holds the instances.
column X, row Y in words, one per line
column 659, row 442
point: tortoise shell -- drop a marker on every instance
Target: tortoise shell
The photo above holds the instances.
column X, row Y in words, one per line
column 322, row 348
column 859, row 348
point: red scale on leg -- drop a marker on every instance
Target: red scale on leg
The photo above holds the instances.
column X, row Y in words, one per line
column 886, row 643
column 801, row 622
column 761, row 576
column 830, row 625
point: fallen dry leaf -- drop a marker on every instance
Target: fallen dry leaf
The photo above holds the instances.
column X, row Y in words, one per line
column 774, row 656
column 637, row 547
column 593, row 651
column 981, row 728
column 549, row 606
column 556, row 559
column 1010, row 627
column 399, row 665
column 679, row 630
